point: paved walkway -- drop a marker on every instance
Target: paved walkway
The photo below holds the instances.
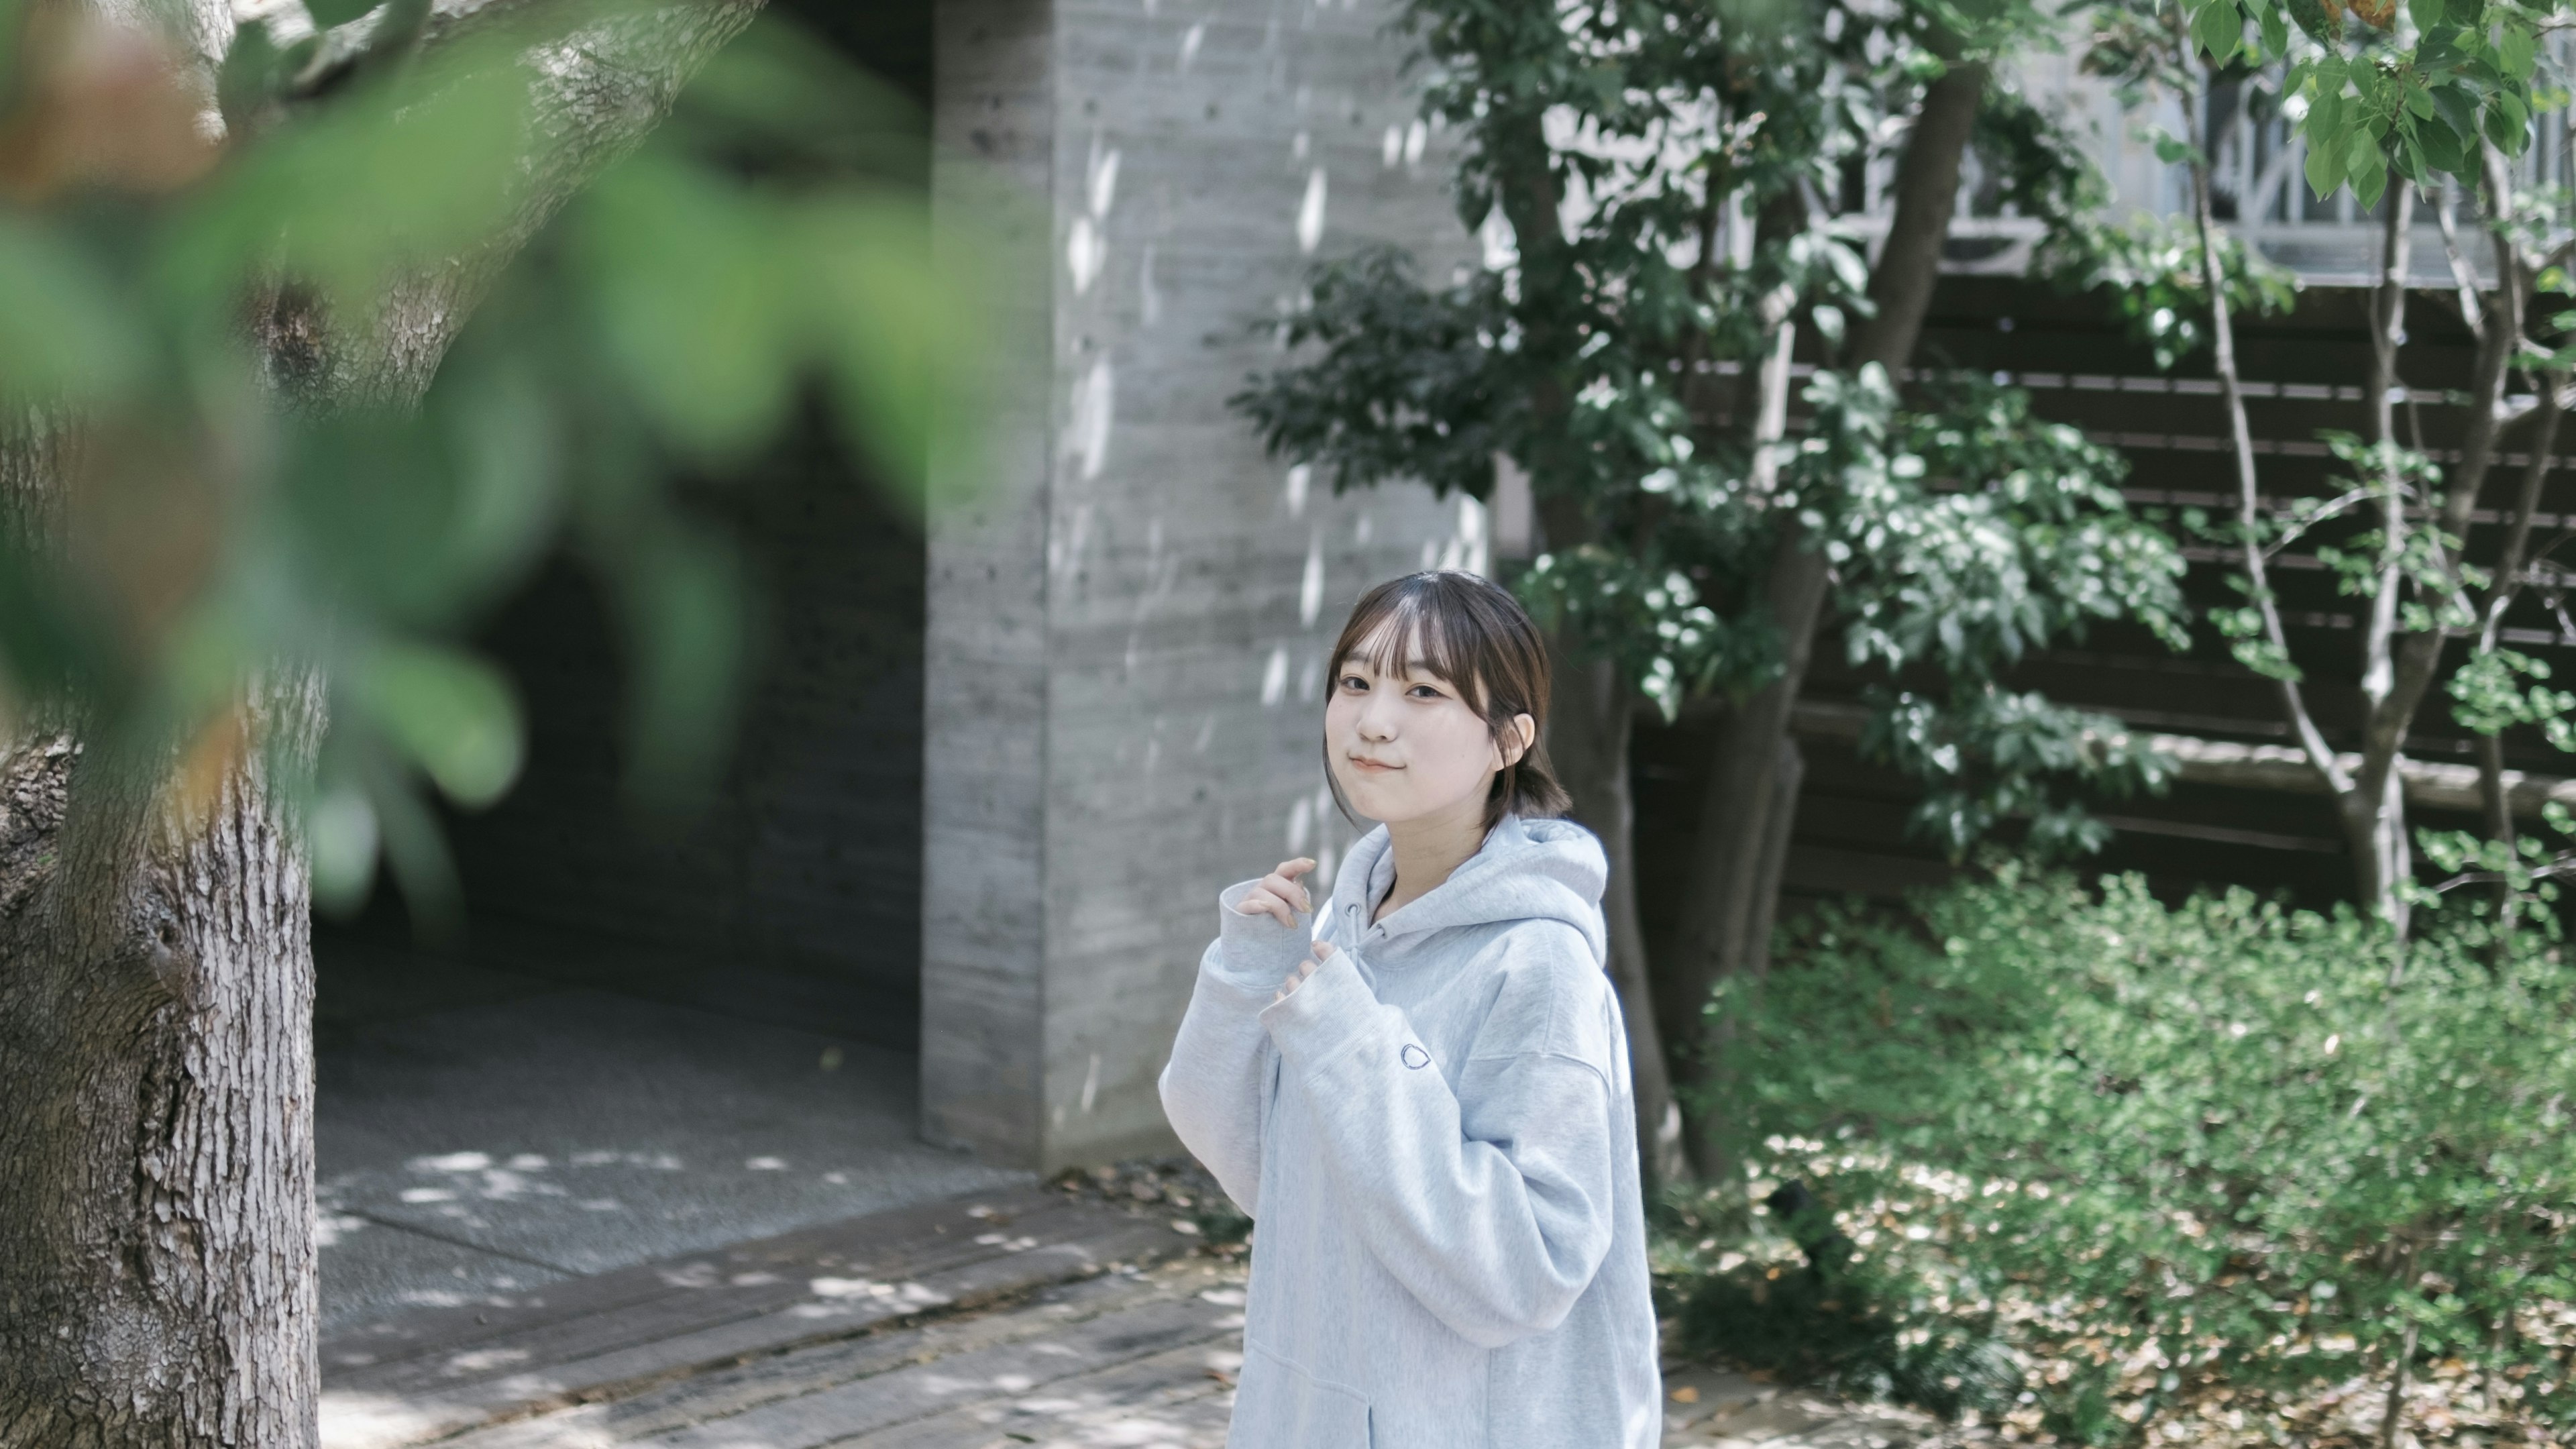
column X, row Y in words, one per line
column 1025, row 1317
column 560, row 1218
column 484, row 1133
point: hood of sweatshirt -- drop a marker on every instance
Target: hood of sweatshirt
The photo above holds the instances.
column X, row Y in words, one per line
column 1528, row 869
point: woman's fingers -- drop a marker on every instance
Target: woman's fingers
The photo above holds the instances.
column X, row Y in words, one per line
column 1297, row 977
column 1288, row 889
column 1283, row 883
column 1258, row 901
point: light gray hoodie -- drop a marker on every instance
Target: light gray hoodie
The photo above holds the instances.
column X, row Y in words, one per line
column 1434, row 1135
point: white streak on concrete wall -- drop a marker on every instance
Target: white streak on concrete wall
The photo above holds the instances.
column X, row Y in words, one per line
column 1086, row 244
column 1310, row 212
column 1310, row 586
column 1274, row 676
column 1083, row 253
column 1064, row 551
column 1103, row 178
column 1292, row 490
column 1094, row 406
column 1191, row 39
column 1301, row 823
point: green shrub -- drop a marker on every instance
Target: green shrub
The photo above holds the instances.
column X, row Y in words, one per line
column 2119, row 1168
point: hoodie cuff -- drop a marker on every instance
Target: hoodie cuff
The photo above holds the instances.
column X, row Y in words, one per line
column 1331, row 1012
column 1255, row 950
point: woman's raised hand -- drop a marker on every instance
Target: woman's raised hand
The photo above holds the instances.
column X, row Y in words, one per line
column 1279, row 894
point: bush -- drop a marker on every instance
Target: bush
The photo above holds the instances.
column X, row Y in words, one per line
column 2199, row 1170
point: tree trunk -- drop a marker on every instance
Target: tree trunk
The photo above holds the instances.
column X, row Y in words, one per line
column 156, row 1052
column 1590, row 712
column 1590, row 705
column 2374, row 811
column 157, row 1247
column 2416, row 658
column 1746, row 816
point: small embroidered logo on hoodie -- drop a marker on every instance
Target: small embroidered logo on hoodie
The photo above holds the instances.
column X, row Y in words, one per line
column 1415, row 1056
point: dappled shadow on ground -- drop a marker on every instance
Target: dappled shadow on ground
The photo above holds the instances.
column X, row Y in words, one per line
column 483, row 1134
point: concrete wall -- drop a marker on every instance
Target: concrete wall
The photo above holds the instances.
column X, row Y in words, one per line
column 1125, row 629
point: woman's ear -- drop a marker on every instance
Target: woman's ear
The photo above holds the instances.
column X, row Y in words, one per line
column 1516, row 741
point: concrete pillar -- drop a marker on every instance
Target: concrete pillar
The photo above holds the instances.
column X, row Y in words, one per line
column 1126, row 628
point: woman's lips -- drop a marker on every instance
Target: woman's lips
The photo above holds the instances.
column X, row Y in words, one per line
column 1373, row 764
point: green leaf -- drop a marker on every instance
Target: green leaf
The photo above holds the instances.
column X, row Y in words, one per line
column 2325, row 168
column 2324, row 123
column 2276, row 31
column 2219, row 28
column 2405, row 157
column 2457, row 105
column 370, row 190
column 2516, row 52
column 327, row 13
column 340, row 837
column 450, row 713
column 891, row 325
column 2508, row 123
column 682, row 601
column 2369, row 171
column 700, row 310
column 2441, row 148
column 2427, row 13
column 248, row 75
column 65, row 333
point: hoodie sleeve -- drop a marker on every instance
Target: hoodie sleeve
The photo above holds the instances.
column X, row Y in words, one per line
column 1492, row 1204
column 1211, row 1087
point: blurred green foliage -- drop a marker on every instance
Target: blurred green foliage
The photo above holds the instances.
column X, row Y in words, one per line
column 237, row 454
column 2174, row 1162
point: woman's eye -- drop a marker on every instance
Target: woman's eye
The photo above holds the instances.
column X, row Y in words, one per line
column 1353, row 681
column 1424, row 691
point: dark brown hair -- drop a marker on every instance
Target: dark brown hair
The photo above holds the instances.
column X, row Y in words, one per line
column 1473, row 635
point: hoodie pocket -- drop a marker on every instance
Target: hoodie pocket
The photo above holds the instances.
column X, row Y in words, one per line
column 1278, row 1403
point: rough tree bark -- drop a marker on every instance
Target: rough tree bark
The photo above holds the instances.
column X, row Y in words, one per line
column 156, row 979
column 1590, row 716
column 1748, row 811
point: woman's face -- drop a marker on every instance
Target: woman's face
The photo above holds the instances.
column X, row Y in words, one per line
column 1407, row 746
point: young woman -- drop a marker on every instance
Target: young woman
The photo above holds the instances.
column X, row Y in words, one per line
column 1420, row 1092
